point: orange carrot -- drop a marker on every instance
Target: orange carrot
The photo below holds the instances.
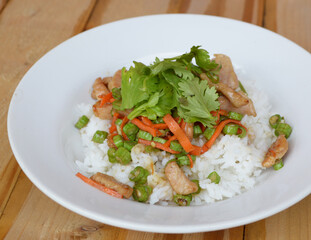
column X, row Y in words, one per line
column 190, row 159
column 200, row 150
column 110, row 138
column 99, row 186
column 146, row 121
column 105, row 98
column 144, row 127
column 113, row 123
column 160, row 126
column 157, row 145
column 168, row 142
column 178, row 132
column 124, row 121
column 218, row 130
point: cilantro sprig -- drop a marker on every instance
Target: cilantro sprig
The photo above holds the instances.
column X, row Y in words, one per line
column 171, row 84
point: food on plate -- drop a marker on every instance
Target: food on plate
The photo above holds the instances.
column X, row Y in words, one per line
column 181, row 130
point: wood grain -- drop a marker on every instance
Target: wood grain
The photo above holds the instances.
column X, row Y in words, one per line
column 2, row 4
column 108, row 10
column 291, row 19
column 28, row 29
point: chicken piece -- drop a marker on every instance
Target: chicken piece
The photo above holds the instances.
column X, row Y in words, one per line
column 99, row 88
column 178, row 180
column 103, row 112
column 109, row 182
column 226, row 73
column 188, row 129
column 276, row 151
column 116, row 80
column 237, row 99
column 247, row 109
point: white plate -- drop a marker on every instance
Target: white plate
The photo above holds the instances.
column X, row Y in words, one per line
column 42, row 136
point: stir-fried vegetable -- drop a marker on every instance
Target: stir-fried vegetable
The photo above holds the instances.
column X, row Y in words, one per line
column 182, row 200
column 198, row 184
column 99, row 136
column 129, row 145
column 116, row 93
column 112, row 155
column 197, row 131
column 214, row 177
column 118, row 141
column 176, row 146
column 275, row 120
column 123, row 156
column 278, row 165
column 130, row 129
column 159, row 140
column 208, row 133
column 283, row 128
column 235, row 116
column 139, row 175
column 241, row 132
column 118, row 122
column 144, row 135
column 82, row 122
column 230, row 129
column 141, row 193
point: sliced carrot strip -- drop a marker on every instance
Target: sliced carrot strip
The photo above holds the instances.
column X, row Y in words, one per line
column 178, row 132
column 191, row 161
column 160, row 126
column 168, row 142
column 124, row 121
column 218, row 130
column 113, row 122
column 146, row 121
column 157, row 145
column 144, row 127
column 99, row 186
column 105, row 98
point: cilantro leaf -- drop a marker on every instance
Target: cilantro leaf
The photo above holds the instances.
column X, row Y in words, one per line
column 199, row 101
column 179, row 68
column 137, row 85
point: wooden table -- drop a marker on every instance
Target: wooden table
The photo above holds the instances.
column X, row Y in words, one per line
column 29, row 28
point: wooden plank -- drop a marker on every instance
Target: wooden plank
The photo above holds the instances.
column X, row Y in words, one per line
column 28, row 29
column 2, row 4
column 290, row 18
column 15, row 204
column 108, row 11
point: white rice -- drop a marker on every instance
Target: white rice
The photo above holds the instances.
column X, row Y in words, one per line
column 236, row 160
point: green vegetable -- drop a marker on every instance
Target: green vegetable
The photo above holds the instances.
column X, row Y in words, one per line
column 208, row 133
column 150, row 149
column 242, row 134
column 112, row 155
column 197, row 131
column 130, row 129
column 129, row 145
column 230, row 129
column 118, row 141
column 176, row 146
column 99, row 136
column 182, row 200
column 154, row 91
column 118, row 122
column 144, row 135
column 242, row 87
column 82, row 122
column 275, row 120
column 214, row 177
column 278, row 165
column 158, row 120
column 183, row 161
column 198, row 184
column 199, row 101
column 123, row 156
column 116, row 93
column 235, row 116
column 139, row 175
column 159, row 140
column 141, row 193
column 283, row 128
